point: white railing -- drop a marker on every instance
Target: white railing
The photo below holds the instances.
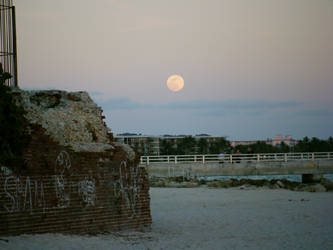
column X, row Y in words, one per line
column 237, row 158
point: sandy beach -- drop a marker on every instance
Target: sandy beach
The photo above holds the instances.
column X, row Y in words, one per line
column 210, row 218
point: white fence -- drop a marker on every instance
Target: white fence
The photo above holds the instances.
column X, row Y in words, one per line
column 237, row 158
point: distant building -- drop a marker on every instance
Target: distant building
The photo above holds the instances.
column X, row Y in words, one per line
column 236, row 143
column 278, row 139
column 143, row 144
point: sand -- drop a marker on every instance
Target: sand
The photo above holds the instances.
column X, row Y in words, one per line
column 206, row 218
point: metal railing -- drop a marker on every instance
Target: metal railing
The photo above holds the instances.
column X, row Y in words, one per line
column 8, row 50
column 237, row 158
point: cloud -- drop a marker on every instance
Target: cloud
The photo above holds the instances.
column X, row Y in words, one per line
column 232, row 107
column 203, row 107
column 313, row 113
column 121, row 103
column 249, row 118
column 95, row 93
column 231, row 104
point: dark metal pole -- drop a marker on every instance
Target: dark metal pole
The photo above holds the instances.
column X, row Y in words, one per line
column 14, row 47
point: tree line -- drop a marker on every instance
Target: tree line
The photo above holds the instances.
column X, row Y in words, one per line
column 189, row 145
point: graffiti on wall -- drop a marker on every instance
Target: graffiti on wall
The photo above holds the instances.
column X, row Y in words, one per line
column 62, row 169
column 27, row 194
column 87, row 191
column 129, row 187
column 22, row 194
column 5, row 171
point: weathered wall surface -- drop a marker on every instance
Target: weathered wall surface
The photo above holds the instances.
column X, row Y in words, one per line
column 93, row 186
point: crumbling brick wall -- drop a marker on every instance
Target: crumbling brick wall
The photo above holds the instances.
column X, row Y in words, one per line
column 61, row 190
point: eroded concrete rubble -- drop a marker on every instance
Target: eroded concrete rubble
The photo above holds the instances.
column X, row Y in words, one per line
column 70, row 118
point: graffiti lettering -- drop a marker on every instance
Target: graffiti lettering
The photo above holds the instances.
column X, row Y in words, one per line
column 5, row 170
column 20, row 198
column 127, row 188
column 87, row 190
column 27, row 192
column 10, row 196
column 62, row 167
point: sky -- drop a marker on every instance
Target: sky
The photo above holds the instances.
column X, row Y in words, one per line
column 252, row 68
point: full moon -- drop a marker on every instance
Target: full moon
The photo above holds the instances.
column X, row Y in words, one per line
column 175, row 83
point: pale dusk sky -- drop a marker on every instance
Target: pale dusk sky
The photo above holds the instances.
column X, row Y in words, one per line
column 252, row 68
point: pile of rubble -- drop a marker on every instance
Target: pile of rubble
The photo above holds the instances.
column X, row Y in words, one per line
column 70, row 118
column 322, row 186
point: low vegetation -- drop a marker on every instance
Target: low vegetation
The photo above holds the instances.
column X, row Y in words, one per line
column 12, row 136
